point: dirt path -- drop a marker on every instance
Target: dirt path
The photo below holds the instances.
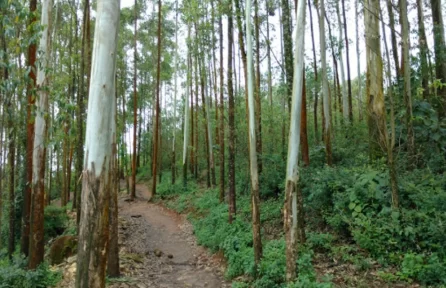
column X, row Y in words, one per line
column 158, row 248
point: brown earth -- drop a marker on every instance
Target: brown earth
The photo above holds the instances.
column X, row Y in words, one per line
column 157, row 249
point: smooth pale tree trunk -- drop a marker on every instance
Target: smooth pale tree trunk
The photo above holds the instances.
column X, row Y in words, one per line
column 222, row 118
column 205, row 116
column 347, row 59
column 376, row 117
column 316, row 130
column 358, row 62
column 206, row 104
column 268, row 56
column 424, row 50
column 173, row 168
column 32, row 54
column 96, row 180
column 341, row 65
column 135, row 108
column 156, row 128
column 255, row 198
column 293, row 208
column 440, row 53
column 231, row 118
column 405, row 33
column 36, row 243
column 391, row 142
column 324, row 79
column 186, row 111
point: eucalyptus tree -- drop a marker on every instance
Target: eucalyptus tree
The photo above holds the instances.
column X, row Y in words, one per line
column 358, row 62
column 173, row 168
column 288, row 48
column 440, row 54
column 32, row 54
column 157, row 104
column 390, row 140
column 393, row 37
column 96, row 180
column 37, row 248
column 324, row 80
column 376, row 117
column 341, row 65
column 405, row 30
column 135, row 105
column 347, row 59
column 424, row 49
column 293, row 209
column 254, row 171
column 221, row 108
column 231, row 118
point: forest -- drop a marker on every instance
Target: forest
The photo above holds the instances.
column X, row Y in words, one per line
column 222, row 143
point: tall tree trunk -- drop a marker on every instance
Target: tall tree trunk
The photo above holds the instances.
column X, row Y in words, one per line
column 32, row 52
column 36, row 244
column 173, row 168
column 258, row 101
column 205, row 118
column 393, row 36
column 288, row 48
column 405, row 29
column 376, row 117
column 358, row 62
column 293, row 208
column 232, row 203
column 440, row 53
column 113, row 253
column 186, row 109
column 87, row 63
column 316, row 132
column 268, row 55
column 303, row 121
column 255, row 198
column 325, row 90
column 156, row 128
column 135, row 107
column 341, row 65
column 391, row 142
column 347, row 59
column 424, row 50
column 97, row 175
column 221, row 107
column 10, row 134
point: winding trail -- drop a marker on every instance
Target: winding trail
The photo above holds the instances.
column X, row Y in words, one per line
column 158, row 248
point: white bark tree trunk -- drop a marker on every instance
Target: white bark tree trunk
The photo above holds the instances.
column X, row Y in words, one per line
column 341, row 65
column 358, row 57
column 293, row 200
column 252, row 138
column 325, row 95
column 93, row 226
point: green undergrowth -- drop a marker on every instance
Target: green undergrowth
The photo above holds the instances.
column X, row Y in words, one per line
column 14, row 274
column 210, row 220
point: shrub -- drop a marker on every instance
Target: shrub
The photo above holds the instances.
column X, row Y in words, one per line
column 15, row 274
column 56, row 221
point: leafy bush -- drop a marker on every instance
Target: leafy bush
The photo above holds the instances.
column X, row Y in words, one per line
column 15, row 274
column 56, row 221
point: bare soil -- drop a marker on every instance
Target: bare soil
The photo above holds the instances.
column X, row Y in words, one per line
column 158, row 248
